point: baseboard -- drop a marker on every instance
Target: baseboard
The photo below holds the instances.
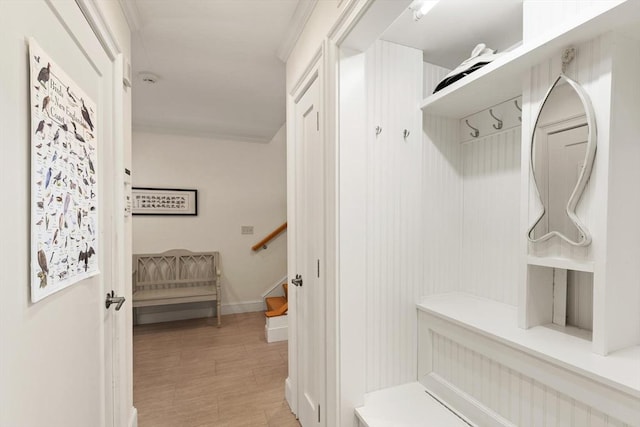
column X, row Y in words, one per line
column 133, row 418
column 169, row 313
column 462, row 403
column 172, row 315
column 288, row 395
column 243, row 307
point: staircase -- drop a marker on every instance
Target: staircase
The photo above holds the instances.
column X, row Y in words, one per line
column 276, row 327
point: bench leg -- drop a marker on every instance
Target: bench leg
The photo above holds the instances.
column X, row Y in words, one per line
column 218, row 312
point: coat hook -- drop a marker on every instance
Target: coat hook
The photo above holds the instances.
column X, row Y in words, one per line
column 378, row 130
column 475, row 132
column 405, row 134
column 567, row 56
column 495, row 126
column 515, row 101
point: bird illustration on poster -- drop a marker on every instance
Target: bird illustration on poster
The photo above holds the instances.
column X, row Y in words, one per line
column 64, row 178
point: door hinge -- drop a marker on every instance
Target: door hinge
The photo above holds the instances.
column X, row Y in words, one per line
column 318, row 121
column 318, row 268
column 318, row 413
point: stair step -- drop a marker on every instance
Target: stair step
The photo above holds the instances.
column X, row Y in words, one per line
column 274, row 303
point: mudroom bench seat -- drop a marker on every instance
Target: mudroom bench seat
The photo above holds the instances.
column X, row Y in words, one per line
column 177, row 276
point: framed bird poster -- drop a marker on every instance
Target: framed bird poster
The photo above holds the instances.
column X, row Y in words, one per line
column 64, row 179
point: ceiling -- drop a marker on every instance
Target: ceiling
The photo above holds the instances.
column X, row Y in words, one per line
column 443, row 34
column 218, row 64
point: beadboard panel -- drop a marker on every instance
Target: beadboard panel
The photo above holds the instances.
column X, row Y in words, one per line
column 394, row 219
column 516, row 397
column 507, row 396
column 490, row 223
column 580, row 299
column 433, row 74
column 442, row 219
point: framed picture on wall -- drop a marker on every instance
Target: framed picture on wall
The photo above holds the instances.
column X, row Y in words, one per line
column 65, row 171
column 164, row 201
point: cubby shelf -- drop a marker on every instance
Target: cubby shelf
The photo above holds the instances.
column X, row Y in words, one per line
column 502, row 79
column 567, row 264
column 498, row 321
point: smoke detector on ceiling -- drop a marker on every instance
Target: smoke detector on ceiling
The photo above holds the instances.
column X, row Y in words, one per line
column 148, row 78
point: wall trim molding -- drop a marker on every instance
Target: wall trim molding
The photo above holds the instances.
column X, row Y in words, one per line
column 142, row 318
column 347, row 20
column 187, row 312
column 273, row 287
column 243, row 307
column 98, row 24
column 306, row 78
column 296, row 26
column 288, row 392
column 131, row 14
column 148, row 128
column 133, row 418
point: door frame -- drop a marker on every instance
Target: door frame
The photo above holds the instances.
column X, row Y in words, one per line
column 546, row 130
column 313, row 72
column 124, row 414
column 365, row 20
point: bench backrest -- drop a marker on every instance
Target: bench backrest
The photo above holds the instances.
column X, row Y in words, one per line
column 175, row 268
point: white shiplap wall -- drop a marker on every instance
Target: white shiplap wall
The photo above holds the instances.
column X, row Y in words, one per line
column 394, row 274
column 491, row 203
column 442, row 196
column 516, row 397
column 414, row 209
column 580, row 299
column 442, row 219
column 433, row 74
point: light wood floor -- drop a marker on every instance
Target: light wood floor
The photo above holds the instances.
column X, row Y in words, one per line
column 192, row 374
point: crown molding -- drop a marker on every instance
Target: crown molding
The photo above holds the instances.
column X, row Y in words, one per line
column 99, row 25
column 131, row 14
column 296, row 25
column 199, row 133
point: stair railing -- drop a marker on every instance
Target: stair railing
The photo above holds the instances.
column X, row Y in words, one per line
column 262, row 244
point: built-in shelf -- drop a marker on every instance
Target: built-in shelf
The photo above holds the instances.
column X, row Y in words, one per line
column 498, row 321
column 502, row 79
column 564, row 263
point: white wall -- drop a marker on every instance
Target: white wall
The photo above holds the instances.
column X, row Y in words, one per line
column 239, row 183
column 48, row 350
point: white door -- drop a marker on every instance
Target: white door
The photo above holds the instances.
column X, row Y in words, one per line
column 310, row 296
column 74, row 383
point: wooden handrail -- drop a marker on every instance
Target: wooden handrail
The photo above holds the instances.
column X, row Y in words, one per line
column 262, row 244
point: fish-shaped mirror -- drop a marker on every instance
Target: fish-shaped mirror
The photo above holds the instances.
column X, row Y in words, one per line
column 563, row 147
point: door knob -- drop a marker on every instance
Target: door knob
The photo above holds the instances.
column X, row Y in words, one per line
column 113, row 299
column 297, row 281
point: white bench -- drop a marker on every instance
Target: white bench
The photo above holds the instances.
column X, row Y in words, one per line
column 406, row 405
column 176, row 277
